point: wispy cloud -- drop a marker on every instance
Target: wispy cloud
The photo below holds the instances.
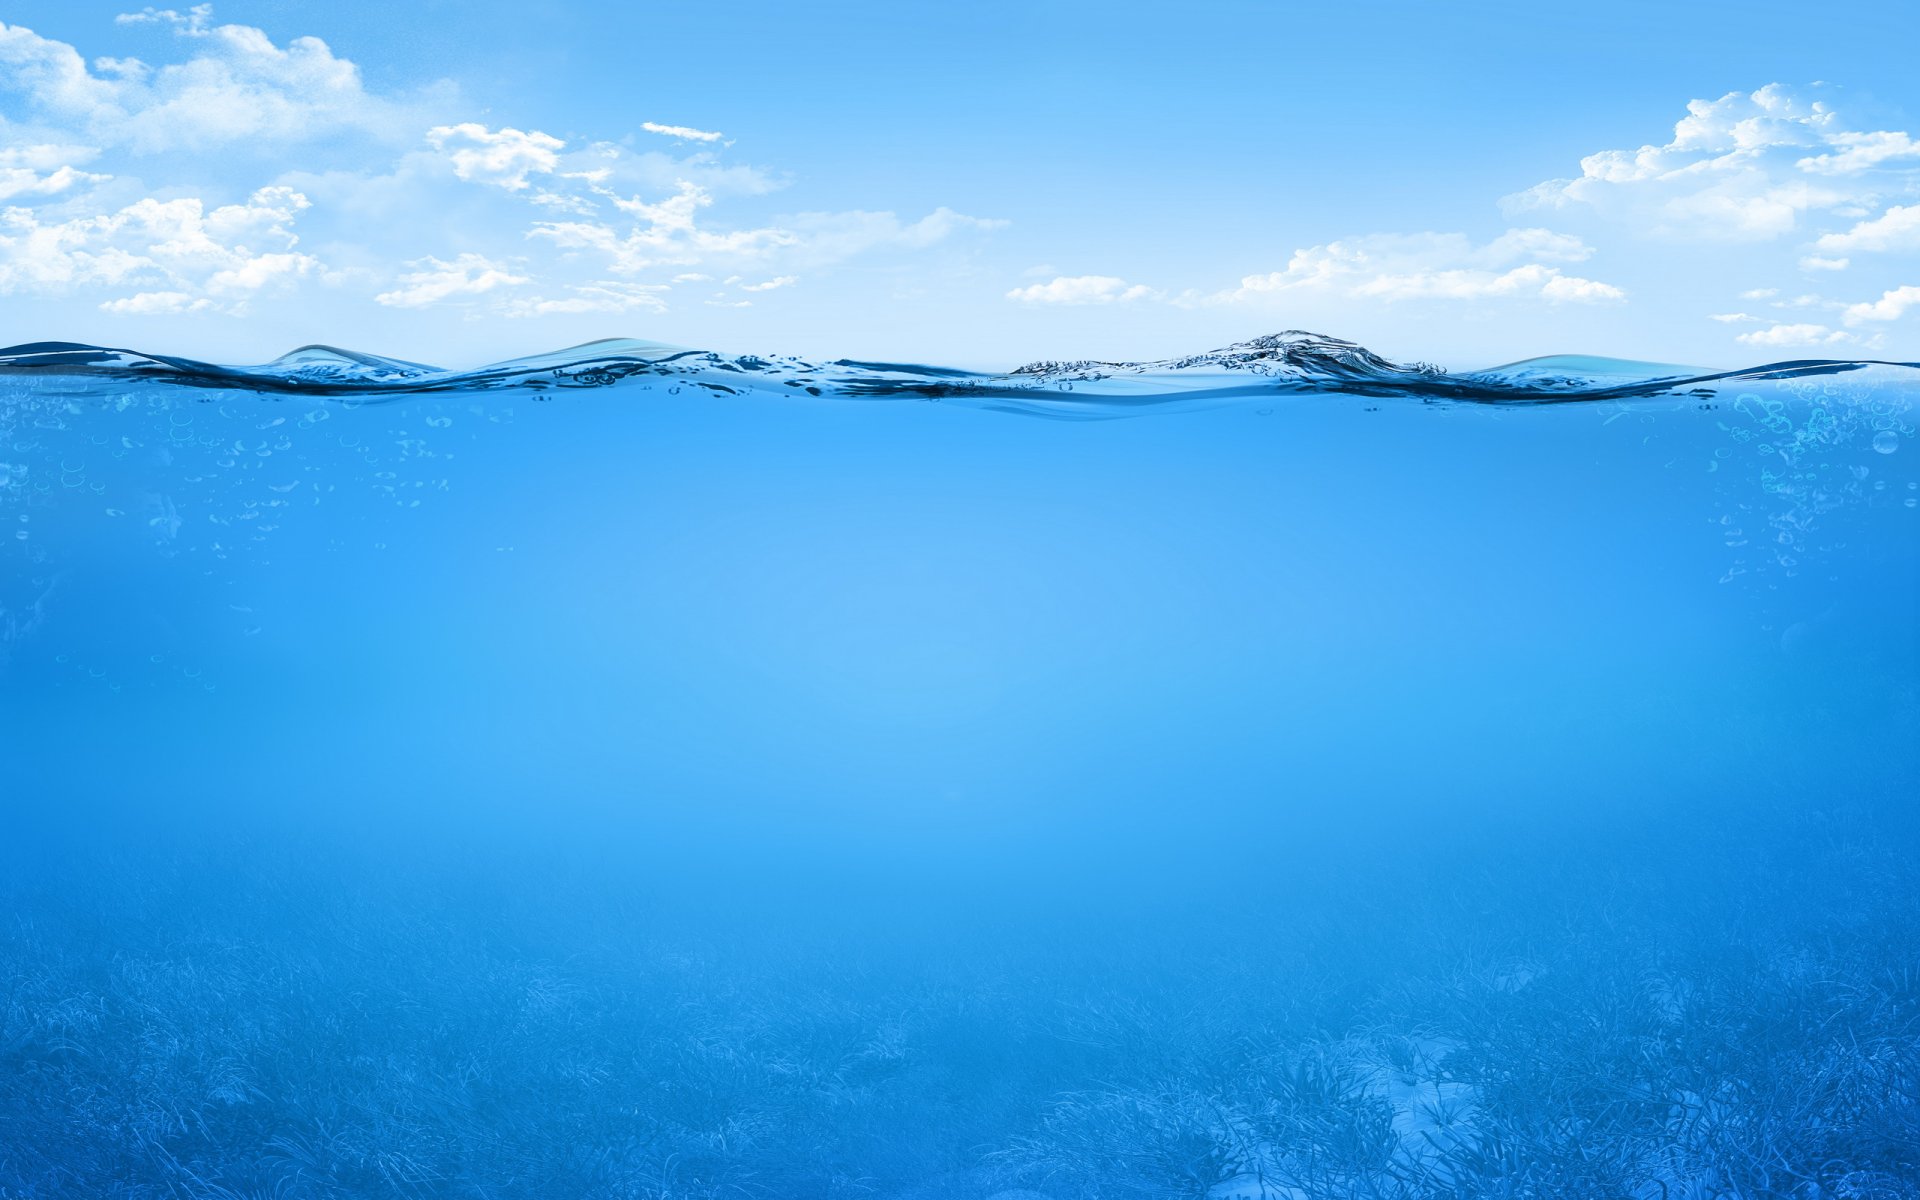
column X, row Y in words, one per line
column 683, row 132
column 600, row 296
column 1796, row 335
column 433, row 281
column 1082, row 289
column 1520, row 263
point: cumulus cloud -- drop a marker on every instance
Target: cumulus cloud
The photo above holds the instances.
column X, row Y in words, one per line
column 237, row 85
column 165, row 248
column 1814, row 262
column 1889, row 307
column 435, row 281
column 1897, row 229
column 683, row 132
column 1441, row 266
column 1081, row 289
column 1746, row 166
column 502, row 157
column 405, row 192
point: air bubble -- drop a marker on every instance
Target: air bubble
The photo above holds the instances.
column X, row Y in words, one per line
column 1886, row 441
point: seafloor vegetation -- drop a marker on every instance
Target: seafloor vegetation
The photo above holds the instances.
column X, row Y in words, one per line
column 1689, row 1014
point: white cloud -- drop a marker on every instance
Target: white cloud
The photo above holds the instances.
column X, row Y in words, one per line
column 668, row 232
column 223, row 254
column 1747, row 166
column 193, row 22
column 45, row 156
column 434, row 281
column 253, row 274
column 1728, row 210
column 1531, row 280
column 1809, row 300
column 1445, row 266
column 52, row 75
column 581, row 226
column 601, row 296
column 1897, row 229
column 237, row 86
column 821, row 237
column 579, row 206
column 1889, row 307
column 662, row 232
column 38, row 171
column 1855, row 152
column 1814, row 262
column 154, row 303
column 1760, row 294
column 683, row 132
column 502, row 157
column 1081, row 289
column 1796, row 335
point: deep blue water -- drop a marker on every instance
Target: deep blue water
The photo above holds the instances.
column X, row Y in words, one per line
column 1278, row 773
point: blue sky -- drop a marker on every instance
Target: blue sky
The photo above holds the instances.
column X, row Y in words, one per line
column 978, row 185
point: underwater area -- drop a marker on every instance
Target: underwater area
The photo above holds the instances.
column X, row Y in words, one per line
column 1278, row 774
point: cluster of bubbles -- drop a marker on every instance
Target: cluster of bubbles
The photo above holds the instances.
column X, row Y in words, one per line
column 1812, row 446
column 208, row 478
column 24, row 585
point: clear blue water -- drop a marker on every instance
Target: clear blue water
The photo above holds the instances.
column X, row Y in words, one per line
column 1279, row 773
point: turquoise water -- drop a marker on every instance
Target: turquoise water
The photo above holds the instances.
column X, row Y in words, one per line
column 1279, row 773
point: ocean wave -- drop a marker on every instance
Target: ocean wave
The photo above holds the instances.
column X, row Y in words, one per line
column 1292, row 361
